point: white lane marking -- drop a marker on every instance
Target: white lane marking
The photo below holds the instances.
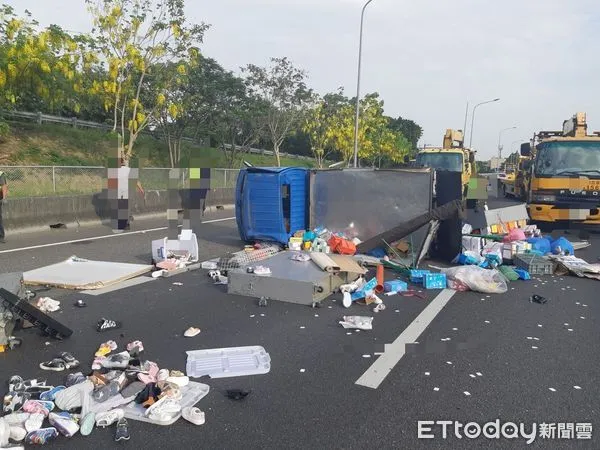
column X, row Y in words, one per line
column 394, row 352
column 106, row 236
column 119, row 286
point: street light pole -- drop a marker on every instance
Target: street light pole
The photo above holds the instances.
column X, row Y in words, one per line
column 357, row 118
column 500, row 141
column 465, row 127
column 473, row 118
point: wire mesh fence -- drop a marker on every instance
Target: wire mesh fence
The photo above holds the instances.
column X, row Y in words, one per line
column 44, row 181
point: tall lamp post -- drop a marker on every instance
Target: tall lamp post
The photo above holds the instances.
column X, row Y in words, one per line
column 473, row 118
column 357, row 118
column 500, row 141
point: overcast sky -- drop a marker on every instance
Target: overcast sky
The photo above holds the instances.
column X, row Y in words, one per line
column 426, row 58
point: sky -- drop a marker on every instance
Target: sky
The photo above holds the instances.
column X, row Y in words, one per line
column 426, row 58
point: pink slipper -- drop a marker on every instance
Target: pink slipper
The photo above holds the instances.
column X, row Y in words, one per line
column 150, row 377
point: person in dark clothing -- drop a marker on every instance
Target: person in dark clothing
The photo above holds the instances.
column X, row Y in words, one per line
column 3, row 195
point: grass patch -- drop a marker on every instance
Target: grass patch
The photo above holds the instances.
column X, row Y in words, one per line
column 30, row 144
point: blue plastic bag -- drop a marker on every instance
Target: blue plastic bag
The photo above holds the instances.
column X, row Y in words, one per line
column 540, row 244
column 523, row 274
column 562, row 244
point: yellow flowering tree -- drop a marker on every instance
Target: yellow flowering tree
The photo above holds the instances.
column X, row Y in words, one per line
column 139, row 40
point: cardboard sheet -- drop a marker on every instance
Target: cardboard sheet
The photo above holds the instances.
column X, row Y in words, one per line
column 324, row 262
column 348, row 264
column 77, row 273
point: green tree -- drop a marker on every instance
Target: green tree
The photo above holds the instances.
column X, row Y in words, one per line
column 282, row 86
column 139, row 39
column 39, row 68
column 410, row 129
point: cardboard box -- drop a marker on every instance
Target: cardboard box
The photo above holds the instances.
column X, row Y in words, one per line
column 435, row 281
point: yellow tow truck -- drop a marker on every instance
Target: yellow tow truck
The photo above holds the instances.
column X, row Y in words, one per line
column 562, row 174
column 514, row 183
column 452, row 156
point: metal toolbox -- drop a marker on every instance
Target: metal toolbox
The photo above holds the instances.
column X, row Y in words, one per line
column 290, row 281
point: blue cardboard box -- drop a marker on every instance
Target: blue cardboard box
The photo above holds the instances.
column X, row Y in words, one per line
column 435, row 281
column 416, row 275
column 395, row 286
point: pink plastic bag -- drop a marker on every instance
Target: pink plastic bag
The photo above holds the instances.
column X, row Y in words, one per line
column 516, row 234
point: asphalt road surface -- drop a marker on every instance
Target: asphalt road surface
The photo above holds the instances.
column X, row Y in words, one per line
column 482, row 357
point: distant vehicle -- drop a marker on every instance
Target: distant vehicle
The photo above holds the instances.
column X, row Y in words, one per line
column 560, row 174
column 452, row 156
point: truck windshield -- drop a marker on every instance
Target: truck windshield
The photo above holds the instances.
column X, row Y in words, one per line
column 452, row 162
column 568, row 158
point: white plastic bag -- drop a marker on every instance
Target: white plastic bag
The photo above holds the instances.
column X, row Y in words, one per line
column 478, row 279
column 359, row 322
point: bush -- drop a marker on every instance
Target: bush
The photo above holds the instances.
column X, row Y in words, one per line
column 4, row 131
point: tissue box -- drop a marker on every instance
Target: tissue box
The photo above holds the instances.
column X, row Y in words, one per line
column 395, row 286
column 473, row 244
column 434, row 281
column 416, row 275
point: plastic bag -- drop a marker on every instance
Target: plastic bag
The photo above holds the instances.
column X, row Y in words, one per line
column 341, row 246
column 562, row 245
column 358, row 322
column 540, row 244
column 478, row 279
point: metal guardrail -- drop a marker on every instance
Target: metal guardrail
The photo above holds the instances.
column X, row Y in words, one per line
column 46, row 181
column 40, row 118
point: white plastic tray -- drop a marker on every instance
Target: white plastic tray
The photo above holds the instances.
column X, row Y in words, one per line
column 192, row 394
column 228, row 362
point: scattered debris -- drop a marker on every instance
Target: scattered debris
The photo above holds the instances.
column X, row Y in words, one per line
column 80, row 304
column 192, row 332
column 237, row 394
column 46, row 304
column 537, row 299
column 358, row 322
column 263, row 302
column 177, row 283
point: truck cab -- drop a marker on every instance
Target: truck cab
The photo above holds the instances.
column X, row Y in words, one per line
column 564, row 174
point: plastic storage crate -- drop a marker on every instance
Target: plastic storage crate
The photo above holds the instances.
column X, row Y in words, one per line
column 416, row 275
column 534, row 264
column 435, row 281
column 395, row 286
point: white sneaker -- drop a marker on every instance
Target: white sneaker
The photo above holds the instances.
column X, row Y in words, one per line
column 193, row 415
column 107, row 418
column 17, row 433
column 34, row 422
column 164, row 410
column 162, row 375
column 17, row 418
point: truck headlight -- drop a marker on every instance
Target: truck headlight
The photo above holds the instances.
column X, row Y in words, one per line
column 544, row 198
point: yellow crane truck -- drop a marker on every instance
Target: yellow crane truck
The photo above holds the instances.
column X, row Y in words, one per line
column 562, row 174
column 452, row 156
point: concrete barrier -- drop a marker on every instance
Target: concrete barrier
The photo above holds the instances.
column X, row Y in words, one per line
column 41, row 212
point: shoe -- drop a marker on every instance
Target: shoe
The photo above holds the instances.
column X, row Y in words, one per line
column 17, row 433
column 41, row 436
column 36, row 407
column 106, row 392
column 106, row 348
column 70, row 361
column 64, row 424
column 133, row 389
column 164, row 410
column 72, row 397
column 56, row 365
column 170, row 390
column 13, row 401
column 162, row 375
column 116, row 361
column 51, row 394
column 4, row 433
column 191, row 332
column 151, row 370
column 135, row 348
column 13, row 382
column 17, row 418
column 87, row 424
column 193, row 415
column 74, row 378
column 107, row 324
column 106, row 419
column 34, row 422
column 178, row 378
column 122, row 432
